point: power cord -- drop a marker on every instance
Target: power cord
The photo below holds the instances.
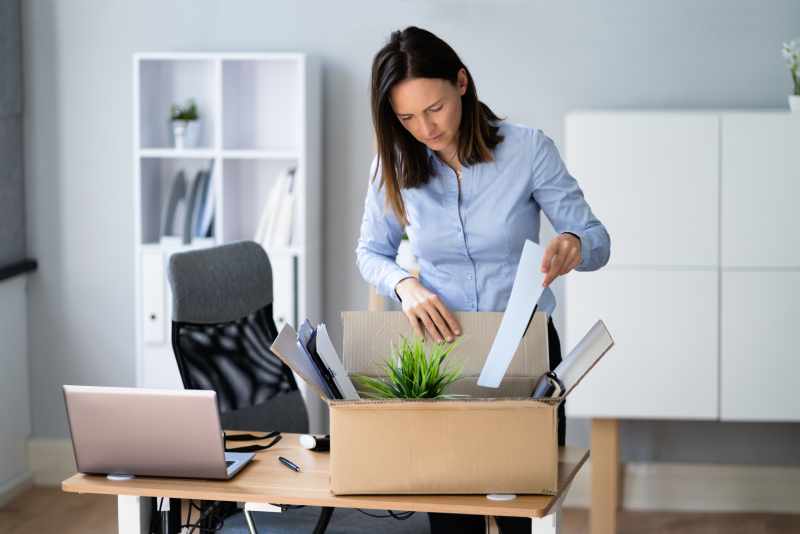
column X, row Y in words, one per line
column 400, row 516
column 214, row 513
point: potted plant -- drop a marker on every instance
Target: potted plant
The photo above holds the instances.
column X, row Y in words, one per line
column 413, row 372
column 184, row 121
column 791, row 52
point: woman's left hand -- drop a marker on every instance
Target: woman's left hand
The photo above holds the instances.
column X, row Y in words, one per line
column 562, row 255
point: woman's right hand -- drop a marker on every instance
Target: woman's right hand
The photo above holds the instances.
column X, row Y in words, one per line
column 423, row 306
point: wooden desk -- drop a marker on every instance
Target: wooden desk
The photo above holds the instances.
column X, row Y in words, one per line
column 267, row 481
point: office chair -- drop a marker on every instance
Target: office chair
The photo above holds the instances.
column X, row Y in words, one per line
column 222, row 329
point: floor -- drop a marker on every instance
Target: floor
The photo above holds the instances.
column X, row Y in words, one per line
column 48, row 510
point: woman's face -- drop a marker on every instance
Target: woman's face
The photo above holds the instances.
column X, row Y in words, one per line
column 430, row 109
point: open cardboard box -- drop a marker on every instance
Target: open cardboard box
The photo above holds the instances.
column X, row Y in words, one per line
column 496, row 441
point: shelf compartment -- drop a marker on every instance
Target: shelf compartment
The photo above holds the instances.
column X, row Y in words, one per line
column 262, row 102
column 163, row 83
column 157, row 176
column 246, row 186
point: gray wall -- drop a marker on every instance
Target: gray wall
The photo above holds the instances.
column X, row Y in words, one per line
column 12, row 187
column 533, row 61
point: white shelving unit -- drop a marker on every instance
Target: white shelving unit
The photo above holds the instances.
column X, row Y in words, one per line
column 259, row 114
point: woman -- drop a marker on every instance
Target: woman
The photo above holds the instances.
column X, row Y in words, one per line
column 467, row 188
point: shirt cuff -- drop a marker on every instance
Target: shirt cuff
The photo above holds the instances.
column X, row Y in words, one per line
column 585, row 248
column 390, row 281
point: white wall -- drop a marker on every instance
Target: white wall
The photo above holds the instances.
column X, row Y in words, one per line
column 15, row 415
column 532, row 60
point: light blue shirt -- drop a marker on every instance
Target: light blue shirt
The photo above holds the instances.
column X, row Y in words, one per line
column 468, row 239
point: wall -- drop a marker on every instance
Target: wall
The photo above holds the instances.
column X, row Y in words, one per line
column 15, row 417
column 12, row 190
column 533, row 61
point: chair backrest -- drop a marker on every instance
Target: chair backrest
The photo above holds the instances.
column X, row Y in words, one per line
column 222, row 329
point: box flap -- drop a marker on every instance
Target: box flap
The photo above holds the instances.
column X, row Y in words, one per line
column 368, row 336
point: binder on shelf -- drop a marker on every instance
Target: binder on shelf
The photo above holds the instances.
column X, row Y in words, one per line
column 198, row 199
column 174, row 207
column 205, row 205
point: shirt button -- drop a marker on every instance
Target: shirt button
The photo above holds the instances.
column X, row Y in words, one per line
column 469, row 277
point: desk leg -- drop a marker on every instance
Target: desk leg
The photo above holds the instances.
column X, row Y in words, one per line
column 133, row 514
column 549, row 524
column 605, row 476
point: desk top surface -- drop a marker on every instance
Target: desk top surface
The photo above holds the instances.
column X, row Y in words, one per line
column 266, row 480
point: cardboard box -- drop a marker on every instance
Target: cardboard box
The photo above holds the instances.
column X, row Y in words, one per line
column 496, row 441
column 479, row 445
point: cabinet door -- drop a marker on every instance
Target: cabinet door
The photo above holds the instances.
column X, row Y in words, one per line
column 760, row 368
column 760, row 188
column 154, row 320
column 665, row 355
column 159, row 368
column 653, row 180
column 284, row 282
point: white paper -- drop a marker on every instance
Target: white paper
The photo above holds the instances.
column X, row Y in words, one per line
column 331, row 358
column 525, row 294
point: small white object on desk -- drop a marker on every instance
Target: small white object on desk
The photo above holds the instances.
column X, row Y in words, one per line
column 501, row 496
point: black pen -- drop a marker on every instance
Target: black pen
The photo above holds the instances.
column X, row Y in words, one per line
column 290, row 464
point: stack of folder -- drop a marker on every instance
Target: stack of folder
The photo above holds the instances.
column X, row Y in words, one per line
column 310, row 353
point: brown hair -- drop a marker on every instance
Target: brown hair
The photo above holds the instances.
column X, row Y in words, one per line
column 417, row 53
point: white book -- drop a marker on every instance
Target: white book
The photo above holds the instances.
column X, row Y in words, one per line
column 270, row 213
column 282, row 236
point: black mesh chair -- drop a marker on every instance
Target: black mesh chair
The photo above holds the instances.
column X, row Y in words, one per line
column 222, row 329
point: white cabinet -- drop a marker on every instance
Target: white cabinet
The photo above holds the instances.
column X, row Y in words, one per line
column 761, row 189
column 653, row 179
column 154, row 311
column 760, row 368
column 664, row 360
column 701, row 289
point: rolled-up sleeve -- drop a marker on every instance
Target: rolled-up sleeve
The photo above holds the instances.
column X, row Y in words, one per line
column 562, row 200
column 378, row 241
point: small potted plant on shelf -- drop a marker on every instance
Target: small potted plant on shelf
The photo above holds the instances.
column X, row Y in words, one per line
column 184, row 120
column 791, row 53
column 413, row 372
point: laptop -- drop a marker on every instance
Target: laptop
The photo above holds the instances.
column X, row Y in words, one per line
column 123, row 432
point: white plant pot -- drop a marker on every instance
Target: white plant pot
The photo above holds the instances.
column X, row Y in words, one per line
column 794, row 102
column 185, row 134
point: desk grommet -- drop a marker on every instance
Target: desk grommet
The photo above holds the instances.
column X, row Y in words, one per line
column 501, row 496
